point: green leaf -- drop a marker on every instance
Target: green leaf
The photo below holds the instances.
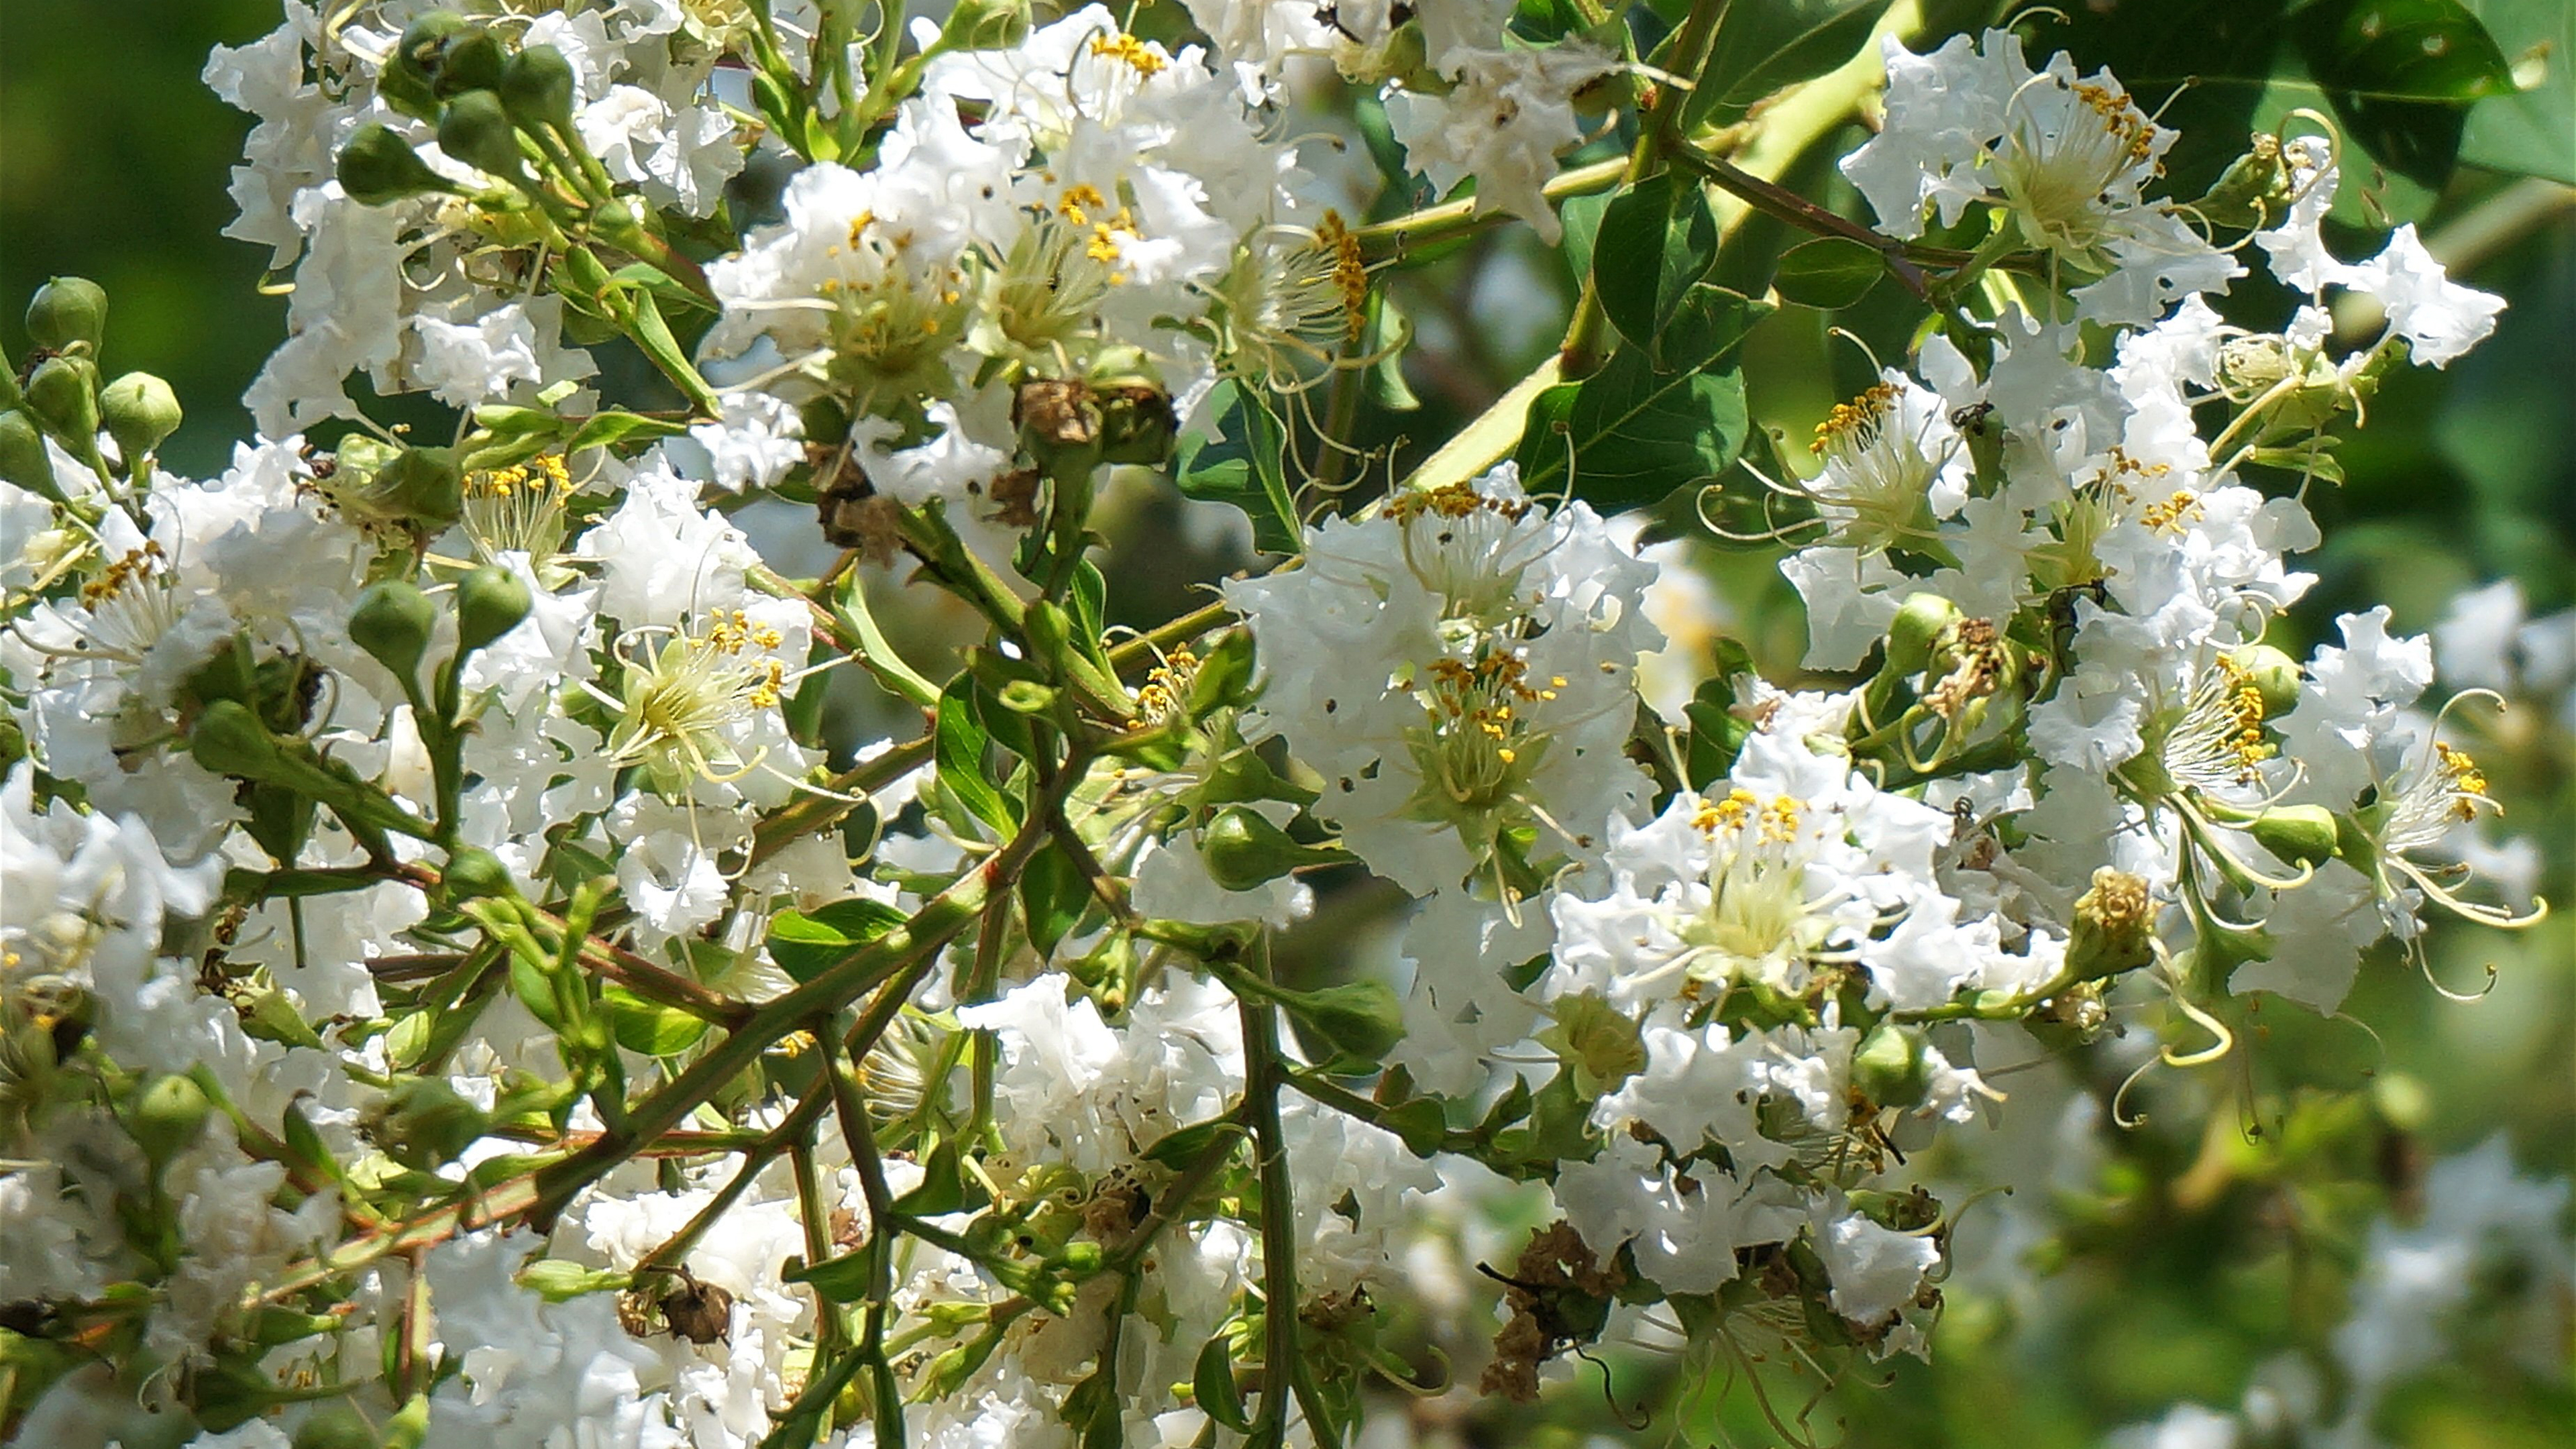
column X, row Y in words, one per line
column 805, row 946
column 944, row 1186
column 1717, row 733
column 647, row 1027
column 1657, row 240
column 2528, row 132
column 843, row 1279
column 2400, row 74
column 1829, row 273
column 1247, row 468
column 1181, row 1146
column 1582, row 217
column 1212, row 1385
column 1053, row 895
column 604, row 429
column 958, row 746
column 1389, row 330
column 1631, row 434
column 1764, row 46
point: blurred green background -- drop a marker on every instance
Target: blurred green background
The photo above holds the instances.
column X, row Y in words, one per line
column 2180, row 1259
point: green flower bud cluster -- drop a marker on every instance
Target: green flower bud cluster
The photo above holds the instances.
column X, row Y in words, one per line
column 62, row 395
column 481, row 96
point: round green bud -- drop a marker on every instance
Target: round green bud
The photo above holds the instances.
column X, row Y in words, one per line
column 422, row 1122
column 2297, row 834
column 1888, row 1066
column 1360, row 1019
column 472, row 60
column 475, row 130
column 393, row 621
column 67, row 312
column 1081, row 1256
column 2274, row 675
column 339, row 1426
column 473, row 873
column 490, row 602
column 23, row 458
column 1244, row 851
column 536, row 88
column 421, row 486
column 409, row 81
column 230, row 740
column 1918, row 626
column 378, row 166
column 140, row 411
column 63, row 395
column 169, row 1117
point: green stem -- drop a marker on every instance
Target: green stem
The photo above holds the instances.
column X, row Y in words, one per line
column 1588, row 337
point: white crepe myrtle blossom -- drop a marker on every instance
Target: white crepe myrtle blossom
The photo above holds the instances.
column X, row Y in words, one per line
column 2066, row 160
column 1509, row 116
column 1458, row 667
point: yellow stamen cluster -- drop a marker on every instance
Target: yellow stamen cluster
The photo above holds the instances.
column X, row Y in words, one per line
column 1080, row 205
column 2121, row 118
column 137, row 565
column 542, row 475
column 1777, row 821
column 1145, row 62
column 2124, row 474
column 2245, row 707
column 1852, row 418
column 1167, row 685
column 2461, row 776
column 1452, row 500
column 1350, row 272
column 730, row 634
column 2174, row 513
column 1480, row 697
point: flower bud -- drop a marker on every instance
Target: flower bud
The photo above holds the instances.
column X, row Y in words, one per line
column 536, row 88
column 169, row 1116
column 475, row 130
column 140, row 411
column 1917, row 626
column 409, row 81
column 473, row 873
column 2274, row 675
column 1888, row 1066
column 2253, row 192
column 422, row 488
column 2297, row 834
column 490, row 602
column 67, row 313
column 986, row 25
column 23, row 458
column 423, row 1122
column 1244, row 851
column 2115, row 926
column 63, row 394
column 230, row 740
column 1137, row 424
column 338, row 1426
column 393, row 621
column 471, row 60
column 1360, row 1020
column 378, row 166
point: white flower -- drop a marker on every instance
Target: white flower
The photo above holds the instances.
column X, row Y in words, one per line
column 2439, row 317
column 1506, row 122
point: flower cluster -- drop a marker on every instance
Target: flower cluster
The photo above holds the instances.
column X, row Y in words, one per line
column 464, row 979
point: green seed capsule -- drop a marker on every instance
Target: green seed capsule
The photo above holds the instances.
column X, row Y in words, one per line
column 475, row 130
column 339, row 1426
column 169, row 1117
column 473, row 873
column 537, row 88
column 490, row 602
column 1244, row 851
column 230, row 740
column 2297, row 834
column 63, row 395
column 140, row 411
column 378, row 166
column 393, row 622
column 67, row 313
column 23, row 459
